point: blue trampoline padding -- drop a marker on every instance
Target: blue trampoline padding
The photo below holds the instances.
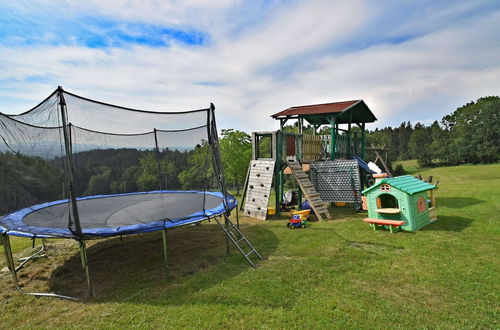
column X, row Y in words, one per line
column 14, row 223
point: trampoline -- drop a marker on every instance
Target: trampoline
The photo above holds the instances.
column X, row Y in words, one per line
column 77, row 168
column 119, row 214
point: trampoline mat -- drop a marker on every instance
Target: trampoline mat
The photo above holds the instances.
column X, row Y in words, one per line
column 136, row 212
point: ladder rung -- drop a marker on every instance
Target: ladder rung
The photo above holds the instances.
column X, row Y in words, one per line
column 315, row 204
column 249, row 253
column 241, row 239
column 229, row 228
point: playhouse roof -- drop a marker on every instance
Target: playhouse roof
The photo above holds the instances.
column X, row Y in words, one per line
column 406, row 183
column 355, row 111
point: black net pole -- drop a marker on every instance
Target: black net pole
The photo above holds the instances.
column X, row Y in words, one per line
column 217, row 163
column 77, row 230
column 157, row 150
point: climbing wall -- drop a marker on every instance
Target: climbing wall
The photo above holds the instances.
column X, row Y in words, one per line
column 260, row 180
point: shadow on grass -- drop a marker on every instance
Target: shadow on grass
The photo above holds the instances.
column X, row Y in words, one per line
column 120, row 270
column 449, row 223
column 457, row 202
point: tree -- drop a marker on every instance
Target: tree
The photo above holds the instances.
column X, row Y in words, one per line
column 236, row 151
column 199, row 173
column 100, row 182
column 148, row 179
column 420, row 141
column 474, row 131
column 404, row 133
column 26, row 180
column 127, row 181
column 440, row 145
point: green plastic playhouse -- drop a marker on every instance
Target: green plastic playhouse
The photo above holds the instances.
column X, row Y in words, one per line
column 402, row 202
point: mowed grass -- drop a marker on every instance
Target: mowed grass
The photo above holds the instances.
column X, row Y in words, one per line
column 336, row 274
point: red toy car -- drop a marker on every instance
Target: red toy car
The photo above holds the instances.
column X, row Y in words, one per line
column 296, row 222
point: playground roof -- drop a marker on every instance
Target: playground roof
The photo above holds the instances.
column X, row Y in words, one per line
column 355, row 111
column 406, row 183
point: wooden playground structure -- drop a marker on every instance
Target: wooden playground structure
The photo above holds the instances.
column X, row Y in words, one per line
column 335, row 132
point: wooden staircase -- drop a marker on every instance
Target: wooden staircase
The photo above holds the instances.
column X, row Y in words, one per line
column 319, row 207
column 260, row 179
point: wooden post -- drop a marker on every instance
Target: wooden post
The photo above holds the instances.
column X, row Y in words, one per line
column 274, row 146
column 349, row 140
column 363, row 142
column 298, row 156
column 255, row 146
column 278, row 171
column 355, row 143
column 379, row 157
column 332, row 138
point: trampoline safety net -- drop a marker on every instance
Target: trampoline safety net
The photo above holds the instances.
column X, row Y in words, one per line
column 78, row 168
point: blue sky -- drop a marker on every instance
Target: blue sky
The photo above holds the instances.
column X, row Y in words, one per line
column 409, row 60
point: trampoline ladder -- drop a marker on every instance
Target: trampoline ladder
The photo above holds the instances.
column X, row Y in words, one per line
column 234, row 234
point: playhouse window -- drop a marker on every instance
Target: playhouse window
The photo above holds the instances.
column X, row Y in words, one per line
column 421, row 205
column 385, row 187
column 387, row 201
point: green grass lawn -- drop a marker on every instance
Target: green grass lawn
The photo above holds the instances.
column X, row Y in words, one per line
column 336, row 274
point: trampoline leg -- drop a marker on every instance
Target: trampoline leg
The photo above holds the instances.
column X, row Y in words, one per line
column 13, row 270
column 165, row 251
column 237, row 218
column 10, row 260
column 85, row 265
column 226, row 224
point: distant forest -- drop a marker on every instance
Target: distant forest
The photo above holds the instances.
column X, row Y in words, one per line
column 26, row 180
column 468, row 135
column 471, row 134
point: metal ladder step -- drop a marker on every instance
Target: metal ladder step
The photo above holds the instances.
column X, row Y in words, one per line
column 236, row 241
column 249, row 253
column 228, row 229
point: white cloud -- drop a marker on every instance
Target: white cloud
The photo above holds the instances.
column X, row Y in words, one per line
column 253, row 69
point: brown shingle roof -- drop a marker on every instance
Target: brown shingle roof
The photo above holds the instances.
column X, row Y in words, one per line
column 316, row 109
